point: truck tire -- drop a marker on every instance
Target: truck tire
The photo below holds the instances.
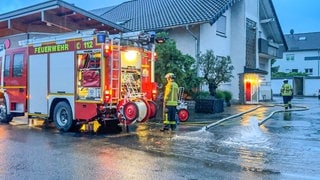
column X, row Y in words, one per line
column 62, row 116
column 4, row 117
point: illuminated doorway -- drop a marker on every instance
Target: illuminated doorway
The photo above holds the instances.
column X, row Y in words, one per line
column 251, row 88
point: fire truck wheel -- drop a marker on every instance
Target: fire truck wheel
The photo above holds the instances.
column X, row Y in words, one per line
column 62, row 116
column 4, row 117
column 183, row 115
column 131, row 112
column 153, row 109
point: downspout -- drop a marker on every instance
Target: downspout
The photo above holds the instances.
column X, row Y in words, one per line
column 196, row 47
column 2, row 56
column 318, row 61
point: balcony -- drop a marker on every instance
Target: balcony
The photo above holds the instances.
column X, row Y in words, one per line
column 269, row 50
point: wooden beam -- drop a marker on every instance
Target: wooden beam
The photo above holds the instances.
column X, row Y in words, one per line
column 8, row 32
column 16, row 26
column 60, row 22
column 45, row 29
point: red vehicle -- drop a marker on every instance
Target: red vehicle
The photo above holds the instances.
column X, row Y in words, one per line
column 78, row 77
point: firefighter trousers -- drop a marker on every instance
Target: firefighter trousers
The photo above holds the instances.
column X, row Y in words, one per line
column 287, row 101
column 169, row 120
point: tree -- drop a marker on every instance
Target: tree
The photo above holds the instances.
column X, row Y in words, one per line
column 216, row 70
column 170, row 59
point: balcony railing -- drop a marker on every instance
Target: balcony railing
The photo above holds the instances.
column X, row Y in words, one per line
column 269, row 49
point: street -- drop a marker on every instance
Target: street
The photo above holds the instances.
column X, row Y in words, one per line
column 286, row 146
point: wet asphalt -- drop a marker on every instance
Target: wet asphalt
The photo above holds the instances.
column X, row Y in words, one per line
column 285, row 146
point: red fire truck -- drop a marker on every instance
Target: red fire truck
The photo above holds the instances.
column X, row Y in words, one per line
column 79, row 77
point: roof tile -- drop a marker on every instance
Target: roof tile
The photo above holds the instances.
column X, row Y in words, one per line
column 303, row 41
column 159, row 14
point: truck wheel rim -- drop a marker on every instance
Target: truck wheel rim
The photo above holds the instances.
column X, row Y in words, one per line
column 62, row 117
column 3, row 111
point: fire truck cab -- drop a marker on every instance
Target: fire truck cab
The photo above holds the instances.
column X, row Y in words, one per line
column 83, row 76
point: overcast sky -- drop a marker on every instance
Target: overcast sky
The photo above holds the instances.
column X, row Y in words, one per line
column 300, row 15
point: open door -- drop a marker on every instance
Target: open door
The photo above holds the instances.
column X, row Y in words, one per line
column 251, row 90
column 298, row 86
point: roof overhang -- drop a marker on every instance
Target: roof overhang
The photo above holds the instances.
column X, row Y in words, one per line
column 255, row 71
column 222, row 11
column 270, row 23
column 55, row 16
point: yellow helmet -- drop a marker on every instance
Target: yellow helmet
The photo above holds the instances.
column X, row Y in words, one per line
column 170, row 75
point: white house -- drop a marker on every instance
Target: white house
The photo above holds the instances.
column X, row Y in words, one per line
column 247, row 31
column 303, row 56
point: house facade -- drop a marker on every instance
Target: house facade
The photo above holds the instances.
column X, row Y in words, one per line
column 247, row 31
column 302, row 56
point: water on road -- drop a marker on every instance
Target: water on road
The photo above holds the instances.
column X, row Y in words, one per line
column 286, row 146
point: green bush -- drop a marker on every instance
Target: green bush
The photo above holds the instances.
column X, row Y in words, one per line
column 219, row 94
column 227, row 95
column 202, row 95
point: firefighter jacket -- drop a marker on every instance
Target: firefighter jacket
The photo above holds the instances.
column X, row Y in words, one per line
column 286, row 90
column 171, row 94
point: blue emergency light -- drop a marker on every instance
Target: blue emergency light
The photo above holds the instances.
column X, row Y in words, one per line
column 101, row 38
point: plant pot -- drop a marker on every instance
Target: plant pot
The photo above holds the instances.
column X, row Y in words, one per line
column 209, row 105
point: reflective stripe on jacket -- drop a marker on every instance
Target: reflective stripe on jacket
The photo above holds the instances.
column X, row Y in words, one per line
column 171, row 94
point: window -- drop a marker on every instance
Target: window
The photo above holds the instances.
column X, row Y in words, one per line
column 7, row 66
column 17, row 65
column 290, row 57
column 302, row 38
column 221, row 25
column 294, row 70
column 308, row 71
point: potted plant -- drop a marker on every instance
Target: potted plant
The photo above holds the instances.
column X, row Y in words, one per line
column 215, row 70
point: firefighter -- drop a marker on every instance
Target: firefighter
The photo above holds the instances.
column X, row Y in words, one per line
column 286, row 93
column 170, row 102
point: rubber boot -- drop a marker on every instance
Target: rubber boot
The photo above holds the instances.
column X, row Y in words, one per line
column 165, row 128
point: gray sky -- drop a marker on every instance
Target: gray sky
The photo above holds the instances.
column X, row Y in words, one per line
column 10, row 5
column 300, row 15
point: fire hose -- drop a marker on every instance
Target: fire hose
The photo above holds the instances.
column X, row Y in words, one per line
column 296, row 108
